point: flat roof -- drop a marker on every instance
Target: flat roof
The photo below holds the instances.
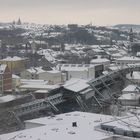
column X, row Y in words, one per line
column 99, row 60
column 60, row 127
column 38, row 87
column 15, row 58
column 76, row 85
column 128, row 58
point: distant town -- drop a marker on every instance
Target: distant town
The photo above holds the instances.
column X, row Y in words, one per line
column 72, row 82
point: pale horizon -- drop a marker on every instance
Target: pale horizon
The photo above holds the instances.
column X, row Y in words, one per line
column 97, row 12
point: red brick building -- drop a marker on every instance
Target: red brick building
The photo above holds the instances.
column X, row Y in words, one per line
column 5, row 78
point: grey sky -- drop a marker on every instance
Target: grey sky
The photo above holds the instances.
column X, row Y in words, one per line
column 99, row 12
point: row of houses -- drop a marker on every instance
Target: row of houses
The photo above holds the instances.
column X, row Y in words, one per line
column 58, row 75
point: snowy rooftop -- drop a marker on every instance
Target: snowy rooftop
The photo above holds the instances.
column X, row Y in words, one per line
column 15, row 58
column 15, row 76
column 76, row 85
column 130, row 89
column 128, row 58
column 33, row 82
column 54, row 71
column 135, row 75
column 100, row 60
column 60, row 127
column 39, row 87
column 41, row 91
column 7, row 98
column 75, row 67
column 36, row 70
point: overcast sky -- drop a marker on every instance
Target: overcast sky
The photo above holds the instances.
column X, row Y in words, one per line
column 99, row 12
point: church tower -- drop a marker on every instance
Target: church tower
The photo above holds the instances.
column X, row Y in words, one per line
column 131, row 40
column 19, row 22
column 131, row 36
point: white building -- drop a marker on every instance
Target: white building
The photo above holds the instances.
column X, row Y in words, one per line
column 102, row 61
column 80, row 86
column 130, row 96
column 53, row 76
column 71, row 126
column 134, row 77
column 127, row 60
column 82, row 71
column 32, row 73
column 130, row 89
column 130, row 99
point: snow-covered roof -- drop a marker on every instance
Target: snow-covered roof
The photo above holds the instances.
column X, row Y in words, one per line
column 131, row 89
column 75, row 67
column 7, row 98
column 114, row 68
column 41, row 91
column 38, row 87
column 116, row 55
column 15, row 58
column 15, row 76
column 76, row 85
column 34, row 82
column 54, row 71
column 48, row 53
column 99, row 60
column 36, row 70
column 128, row 58
column 60, row 127
column 135, row 75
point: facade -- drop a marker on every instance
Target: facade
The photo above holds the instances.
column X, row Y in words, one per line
column 5, row 78
column 16, row 82
column 15, row 64
column 130, row 96
column 134, row 77
column 82, row 71
column 32, row 73
column 127, row 60
column 102, row 61
column 130, row 99
column 53, row 76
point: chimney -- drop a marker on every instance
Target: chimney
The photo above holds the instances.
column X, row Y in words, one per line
column 74, row 124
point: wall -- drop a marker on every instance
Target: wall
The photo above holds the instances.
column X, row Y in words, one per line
column 7, row 80
column 29, row 125
column 52, row 78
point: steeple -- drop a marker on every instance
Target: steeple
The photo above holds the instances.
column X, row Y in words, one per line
column 131, row 36
column 131, row 40
column 19, row 22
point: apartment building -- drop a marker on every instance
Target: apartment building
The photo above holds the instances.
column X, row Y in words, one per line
column 5, row 78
